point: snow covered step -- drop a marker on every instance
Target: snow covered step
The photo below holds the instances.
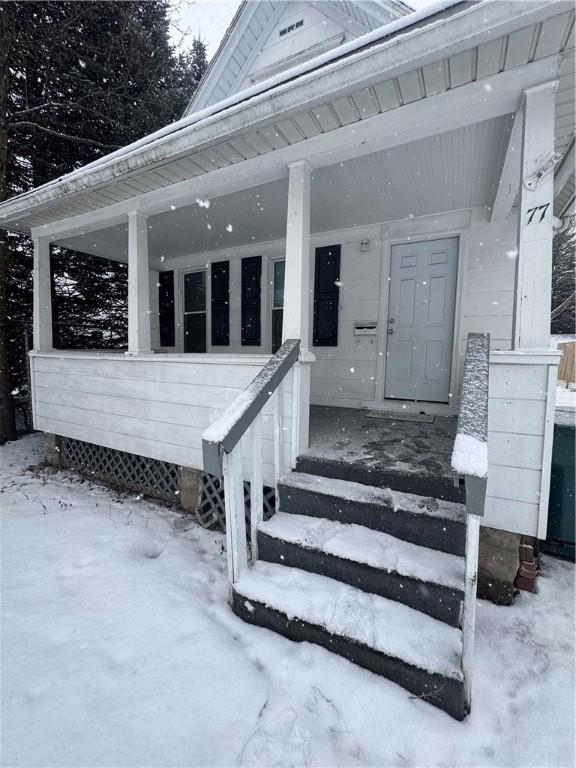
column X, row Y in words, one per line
column 416, row 651
column 422, row 483
column 425, row 521
column 425, row 579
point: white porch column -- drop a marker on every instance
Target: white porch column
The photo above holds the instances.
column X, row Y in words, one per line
column 138, row 285
column 42, row 324
column 297, row 287
column 533, row 291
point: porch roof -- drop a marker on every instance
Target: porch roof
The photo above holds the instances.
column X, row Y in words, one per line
column 383, row 73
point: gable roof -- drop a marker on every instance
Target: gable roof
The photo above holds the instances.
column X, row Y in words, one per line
column 257, row 24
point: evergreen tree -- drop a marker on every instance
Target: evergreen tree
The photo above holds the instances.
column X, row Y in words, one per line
column 77, row 80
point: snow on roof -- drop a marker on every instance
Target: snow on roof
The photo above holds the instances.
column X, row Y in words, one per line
column 235, row 102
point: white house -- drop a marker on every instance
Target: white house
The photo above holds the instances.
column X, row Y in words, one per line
column 368, row 185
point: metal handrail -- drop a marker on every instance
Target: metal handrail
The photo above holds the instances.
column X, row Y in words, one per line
column 226, row 432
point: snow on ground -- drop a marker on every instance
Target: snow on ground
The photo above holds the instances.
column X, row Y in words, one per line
column 565, row 398
column 119, row 649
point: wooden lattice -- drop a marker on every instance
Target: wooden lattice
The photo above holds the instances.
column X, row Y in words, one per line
column 158, row 479
column 211, row 509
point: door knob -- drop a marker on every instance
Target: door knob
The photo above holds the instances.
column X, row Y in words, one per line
column 390, row 331
column 392, row 320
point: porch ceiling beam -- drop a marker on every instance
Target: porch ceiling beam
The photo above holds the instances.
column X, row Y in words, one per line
column 509, row 181
column 468, row 104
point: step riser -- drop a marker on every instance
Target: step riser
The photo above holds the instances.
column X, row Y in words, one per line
column 443, row 692
column 427, row 531
column 440, row 602
column 406, row 482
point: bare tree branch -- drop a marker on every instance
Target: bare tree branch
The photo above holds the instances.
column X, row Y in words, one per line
column 561, row 307
column 77, row 139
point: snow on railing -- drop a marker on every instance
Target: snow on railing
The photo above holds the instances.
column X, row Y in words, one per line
column 470, row 458
column 222, row 452
column 470, row 453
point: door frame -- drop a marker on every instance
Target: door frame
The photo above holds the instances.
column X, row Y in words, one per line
column 382, row 403
column 206, row 268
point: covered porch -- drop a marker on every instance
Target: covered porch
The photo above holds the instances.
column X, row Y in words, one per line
column 379, row 160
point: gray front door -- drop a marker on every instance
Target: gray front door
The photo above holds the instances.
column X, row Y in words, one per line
column 421, row 320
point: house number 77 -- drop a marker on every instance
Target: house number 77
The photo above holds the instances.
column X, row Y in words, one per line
column 531, row 213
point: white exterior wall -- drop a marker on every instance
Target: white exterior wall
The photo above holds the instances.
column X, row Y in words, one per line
column 520, row 432
column 352, row 374
column 155, row 406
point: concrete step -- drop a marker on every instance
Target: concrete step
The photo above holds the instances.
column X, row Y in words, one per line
column 419, row 653
column 375, row 562
column 427, row 522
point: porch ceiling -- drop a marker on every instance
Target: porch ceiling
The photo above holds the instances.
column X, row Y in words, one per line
column 453, row 170
column 489, row 52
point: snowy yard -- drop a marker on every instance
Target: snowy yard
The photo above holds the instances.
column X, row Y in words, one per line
column 119, row 649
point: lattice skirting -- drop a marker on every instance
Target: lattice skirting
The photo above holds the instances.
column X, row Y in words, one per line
column 126, row 470
column 211, row 509
column 155, row 478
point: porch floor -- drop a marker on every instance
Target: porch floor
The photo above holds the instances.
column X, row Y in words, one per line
column 347, row 443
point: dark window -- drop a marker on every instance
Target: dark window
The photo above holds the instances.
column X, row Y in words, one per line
column 195, row 311
column 220, row 301
column 326, row 296
column 278, row 271
column 166, row 308
column 251, row 273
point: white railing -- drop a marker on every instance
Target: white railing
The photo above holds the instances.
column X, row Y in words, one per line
column 222, row 453
column 470, row 458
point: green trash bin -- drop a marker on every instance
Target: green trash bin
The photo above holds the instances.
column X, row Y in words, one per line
column 560, row 536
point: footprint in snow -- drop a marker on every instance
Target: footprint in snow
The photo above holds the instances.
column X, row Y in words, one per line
column 348, row 752
column 276, row 743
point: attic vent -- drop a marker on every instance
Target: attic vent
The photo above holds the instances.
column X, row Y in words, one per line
column 291, row 28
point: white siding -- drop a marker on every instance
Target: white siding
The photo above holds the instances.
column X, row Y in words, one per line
column 520, row 424
column 489, row 282
column 155, row 406
column 346, row 375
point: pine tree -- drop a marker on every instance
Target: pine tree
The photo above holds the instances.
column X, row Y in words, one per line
column 77, row 80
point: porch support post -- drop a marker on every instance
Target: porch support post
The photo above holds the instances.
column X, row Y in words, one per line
column 138, row 285
column 533, row 290
column 42, row 296
column 296, row 319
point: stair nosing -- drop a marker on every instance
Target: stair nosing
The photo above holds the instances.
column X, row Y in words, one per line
column 450, row 511
column 268, row 528
column 379, row 605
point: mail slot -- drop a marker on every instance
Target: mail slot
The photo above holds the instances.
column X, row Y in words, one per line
column 365, row 329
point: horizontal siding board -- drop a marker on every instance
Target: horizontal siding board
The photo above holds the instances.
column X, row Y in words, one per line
column 165, row 372
column 518, row 516
column 520, row 416
column 202, row 395
column 195, row 415
column 513, row 450
column 513, row 484
column 508, row 382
